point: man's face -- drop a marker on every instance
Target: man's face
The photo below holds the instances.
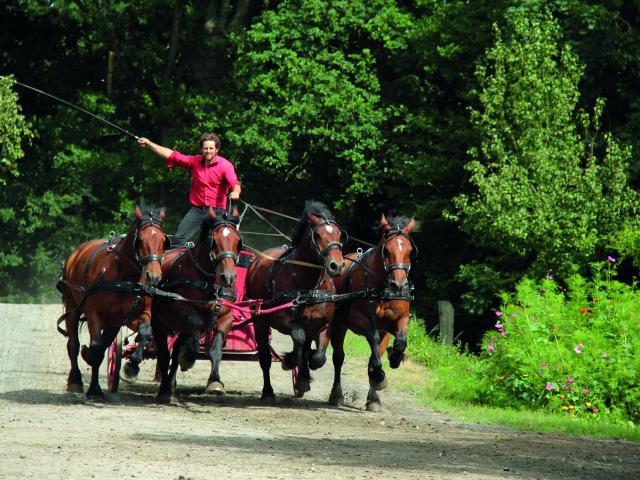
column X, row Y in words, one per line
column 209, row 150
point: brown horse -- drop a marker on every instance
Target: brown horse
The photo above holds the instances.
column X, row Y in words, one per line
column 380, row 278
column 102, row 282
column 299, row 273
column 203, row 276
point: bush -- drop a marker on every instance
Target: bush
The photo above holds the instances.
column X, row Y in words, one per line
column 567, row 350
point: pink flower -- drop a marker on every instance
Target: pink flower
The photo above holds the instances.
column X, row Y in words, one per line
column 491, row 347
column 504, row 334
column 570, row 380
column 499, row 326
column 498, row 313
column 585, row 391
column 578, row 348
column 544, row 364
column 604, row 355
column 611, row 259
column 549, row 386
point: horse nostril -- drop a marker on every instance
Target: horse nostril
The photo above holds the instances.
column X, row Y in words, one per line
column 334, row 267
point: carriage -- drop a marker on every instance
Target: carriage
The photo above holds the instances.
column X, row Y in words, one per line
column 240, row 345
column 215, row 299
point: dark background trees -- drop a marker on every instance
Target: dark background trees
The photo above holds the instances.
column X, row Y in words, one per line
column 372, row 107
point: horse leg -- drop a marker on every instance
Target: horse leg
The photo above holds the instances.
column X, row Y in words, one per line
column 145, row 334
column 373, row 401
column 337, row 343
column 261, row 331
column 319, row 356
column 215, row 385
column 168, row 384
column 399, row 344
column 74, row 381
column 294, row 358
column 188, row 353
column 162, row 363
column 94, row 355
column 377, row 378
column 302, row 381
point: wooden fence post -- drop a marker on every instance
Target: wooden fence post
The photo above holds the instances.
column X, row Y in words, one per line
column 445, row 311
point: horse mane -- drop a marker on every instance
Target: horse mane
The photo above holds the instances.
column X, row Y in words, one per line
column 398, row 222
column 149, row 212
column 222, row 216
column 318, row 209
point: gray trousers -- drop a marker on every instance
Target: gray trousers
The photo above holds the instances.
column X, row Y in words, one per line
column 189, row 225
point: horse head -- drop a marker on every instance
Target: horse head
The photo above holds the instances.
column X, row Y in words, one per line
column 398, row 249
column 324, row 235
column 224, row 244
column 150, row 243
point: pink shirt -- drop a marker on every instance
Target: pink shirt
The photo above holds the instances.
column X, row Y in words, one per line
column 209, row 183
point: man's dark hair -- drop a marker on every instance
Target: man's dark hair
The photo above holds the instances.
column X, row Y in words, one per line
column 210, row 137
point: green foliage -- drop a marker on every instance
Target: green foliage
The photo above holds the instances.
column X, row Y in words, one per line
column 311, row 93
column 14, row 129
column 545, row 192
column 570, row 351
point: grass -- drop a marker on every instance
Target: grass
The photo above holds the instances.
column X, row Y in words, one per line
column 441, row 387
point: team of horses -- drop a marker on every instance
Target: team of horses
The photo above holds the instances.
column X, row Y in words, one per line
column 176, row 295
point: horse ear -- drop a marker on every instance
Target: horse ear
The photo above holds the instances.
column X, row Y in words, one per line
column 410, row 226
column 139, row 215
column 384, row 224
column 212, row 214
column 312, row 218
column 163, row 214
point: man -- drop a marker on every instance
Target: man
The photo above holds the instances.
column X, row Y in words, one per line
column 211, row 178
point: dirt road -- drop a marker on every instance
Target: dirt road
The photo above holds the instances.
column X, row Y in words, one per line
column 47, row 433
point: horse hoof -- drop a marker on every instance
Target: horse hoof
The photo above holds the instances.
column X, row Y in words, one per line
column 131, row 371
column 336, row 400
column 301, row 387
column 396, row 359
column 185, row 363
column 379, row 385
column 216, row 389
column 288, row 362
column 374, row 407
column 164, row 397
column 315, row 362
column 74, row 387
column 96, row 396
column 268, row 399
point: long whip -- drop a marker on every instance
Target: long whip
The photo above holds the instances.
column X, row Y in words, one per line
column 77, row 108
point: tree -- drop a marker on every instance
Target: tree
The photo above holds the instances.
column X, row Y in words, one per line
column 550, row 185
column 309, row 97
column 14, row 130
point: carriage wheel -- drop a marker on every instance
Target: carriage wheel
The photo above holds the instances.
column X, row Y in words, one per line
column 114, row 361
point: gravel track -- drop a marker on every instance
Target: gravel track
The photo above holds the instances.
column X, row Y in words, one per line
column 48, row 433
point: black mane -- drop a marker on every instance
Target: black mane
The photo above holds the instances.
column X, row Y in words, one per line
column 399, row 223
column 316, row 208
column 150, row 213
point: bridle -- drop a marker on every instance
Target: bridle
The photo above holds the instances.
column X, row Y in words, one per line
column 399, row 265
column 217, row 259
column 153, row 257
column 331, row 245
